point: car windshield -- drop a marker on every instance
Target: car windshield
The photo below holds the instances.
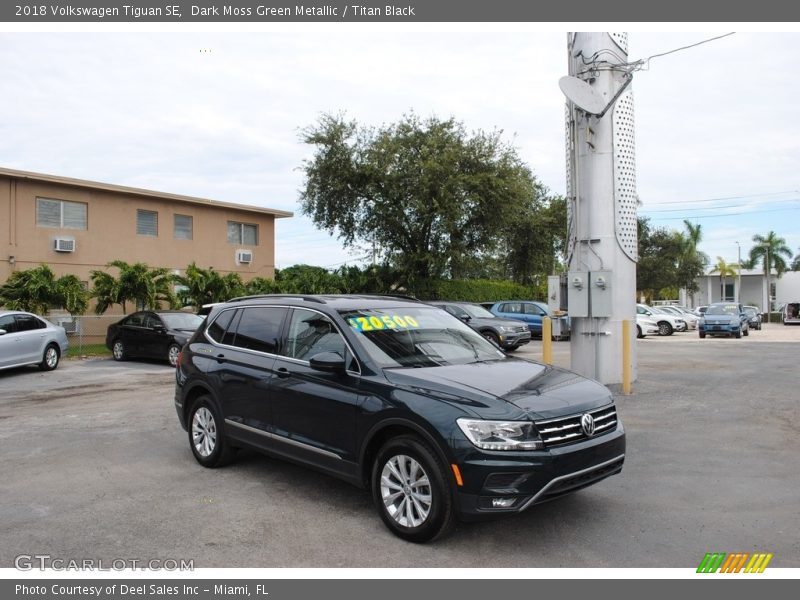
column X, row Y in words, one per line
column 408, row 336
column 476, row 312
column 186, row 321
column 751, row 312
column 723, row 309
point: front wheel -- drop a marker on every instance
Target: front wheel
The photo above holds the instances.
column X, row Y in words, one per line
column 172, row 354
column 664, row 328
column 411, row 490
column 738, row 334
column 118, row 350
column 50, row 358
column 492, row 337
column 746, row 332
column 702, row 335
column 639, row 333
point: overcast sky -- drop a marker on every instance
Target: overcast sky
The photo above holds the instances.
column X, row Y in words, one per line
column 151, row 110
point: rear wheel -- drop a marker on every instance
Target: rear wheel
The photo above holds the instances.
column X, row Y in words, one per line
column 639, row 333
column 411, row 490
column 206, row 436
column 50, row 358
column 664, row 328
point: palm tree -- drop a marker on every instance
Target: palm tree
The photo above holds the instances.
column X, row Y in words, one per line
column 725, row 270
column 692, row 262
column 206, row 286
column 37, row 290
column 770, row 250
column 693, row 237
column 137, row 283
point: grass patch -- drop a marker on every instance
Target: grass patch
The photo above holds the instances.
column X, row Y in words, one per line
column 76, row 351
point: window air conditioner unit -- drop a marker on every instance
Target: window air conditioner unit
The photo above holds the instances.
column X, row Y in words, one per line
column 64, row 245
column 244, row 256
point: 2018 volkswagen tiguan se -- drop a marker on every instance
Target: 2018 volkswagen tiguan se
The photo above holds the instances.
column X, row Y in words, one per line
column 398, row 397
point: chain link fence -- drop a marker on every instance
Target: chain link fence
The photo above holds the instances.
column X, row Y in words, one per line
column 87, row 332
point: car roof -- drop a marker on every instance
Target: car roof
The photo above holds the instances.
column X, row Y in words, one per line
column 335, row 301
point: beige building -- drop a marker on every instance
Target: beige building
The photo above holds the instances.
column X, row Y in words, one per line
column 77, row 226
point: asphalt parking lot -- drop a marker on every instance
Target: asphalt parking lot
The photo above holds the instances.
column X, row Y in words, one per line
column 95, row 465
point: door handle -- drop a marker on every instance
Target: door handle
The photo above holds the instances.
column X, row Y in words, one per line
column 283, row 373
column 221, row 358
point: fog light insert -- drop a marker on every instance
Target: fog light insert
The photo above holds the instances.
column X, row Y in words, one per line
column 502, row 502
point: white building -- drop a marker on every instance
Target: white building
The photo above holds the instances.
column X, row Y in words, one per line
column 751, row 291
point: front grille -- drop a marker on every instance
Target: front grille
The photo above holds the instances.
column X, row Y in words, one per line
column 521, row 329
column 568, row 430
column 584, row 479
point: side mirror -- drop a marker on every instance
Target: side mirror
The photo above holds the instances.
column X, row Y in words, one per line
column 465, row 318
column 3, row 332
column 329, row 362
column 159, row 328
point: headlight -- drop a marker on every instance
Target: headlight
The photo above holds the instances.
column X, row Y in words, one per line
column 501, row 435
column 508, row 329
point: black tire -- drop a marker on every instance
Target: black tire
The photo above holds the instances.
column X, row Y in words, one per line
column 702, row 335
column 664, row 328
column 512, row 348
column 746, row 332
column 738, row 334
column 206, row 435
column 440, row 517
column 492, row 337
column 172, row 354
column 639, row 333
column 50, row 358
column 118, row 351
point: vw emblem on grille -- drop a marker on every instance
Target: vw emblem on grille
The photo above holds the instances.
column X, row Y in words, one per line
column 587, row 424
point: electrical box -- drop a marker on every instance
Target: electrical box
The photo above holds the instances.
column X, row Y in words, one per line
column 578, row 293
column 600, row 303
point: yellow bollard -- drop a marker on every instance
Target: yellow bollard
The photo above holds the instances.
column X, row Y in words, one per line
column 626, row 357
column 547, row 341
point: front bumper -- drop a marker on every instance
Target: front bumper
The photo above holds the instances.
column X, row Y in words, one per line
column 497, row 483
column 517, row 338
column 720, row 329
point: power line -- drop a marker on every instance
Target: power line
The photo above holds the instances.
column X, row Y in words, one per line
column 725, row 198
column 719, row 37
column 739, row 205
column 749, row 212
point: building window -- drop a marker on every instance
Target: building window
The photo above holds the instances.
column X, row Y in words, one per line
column 183, row 227
column 60, row 213
column 242, row 234
column 147, row 222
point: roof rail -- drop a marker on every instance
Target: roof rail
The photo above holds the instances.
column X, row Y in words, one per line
column 257, row 296
column 399, row 296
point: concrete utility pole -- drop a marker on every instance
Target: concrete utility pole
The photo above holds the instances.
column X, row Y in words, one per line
column 601, row 186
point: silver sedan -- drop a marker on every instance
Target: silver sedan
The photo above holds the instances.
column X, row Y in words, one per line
column 27, row 339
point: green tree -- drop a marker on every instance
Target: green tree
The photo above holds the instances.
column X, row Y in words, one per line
column 206, row 286
column 429, row 195
column 660, row 252
column 773, row 246
column 38, row 290
column 692, row 262
column 137, row 283
column 725, row 270
column 796, row 261
column 536, row 238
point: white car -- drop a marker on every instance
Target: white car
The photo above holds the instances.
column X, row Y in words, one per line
column 691, row 319
column 667, row 323
column 26, row 339
column 645, row 326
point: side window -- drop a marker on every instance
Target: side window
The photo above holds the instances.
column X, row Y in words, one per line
column 311, row 333
column 455, row 311
column 640, row 311
column 260, row 328
column 7, row 324
column 134, row 320
column 217, row 329
column 150, row 321
column 28, row 323
column 533, row 309
column 512, row 307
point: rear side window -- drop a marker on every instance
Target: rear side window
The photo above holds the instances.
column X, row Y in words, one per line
column 514, row 307
column 533, row 309
column 220, row 326
column 28, row 323
column 260, row 328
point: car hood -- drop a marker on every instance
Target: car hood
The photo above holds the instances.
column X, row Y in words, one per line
column 506, row 389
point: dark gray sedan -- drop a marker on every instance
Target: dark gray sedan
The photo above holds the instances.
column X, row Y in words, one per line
column 509, row 334
column 27, row 339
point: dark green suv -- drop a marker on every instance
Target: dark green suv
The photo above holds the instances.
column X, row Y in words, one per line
column 398, row 397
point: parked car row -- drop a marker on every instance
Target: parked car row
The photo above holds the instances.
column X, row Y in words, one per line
column 28, row 339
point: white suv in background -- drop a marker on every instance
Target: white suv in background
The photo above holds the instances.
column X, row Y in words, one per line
column 667, row 323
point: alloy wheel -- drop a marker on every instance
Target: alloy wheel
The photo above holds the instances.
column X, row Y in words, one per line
column 204, row 432
column 406, row 491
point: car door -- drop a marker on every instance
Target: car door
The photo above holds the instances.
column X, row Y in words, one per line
column 242, row 366
column 153, row 337
column 31, row 338
column 9, row 355
column 130, row 332
column 314, row 412
column 533, row 317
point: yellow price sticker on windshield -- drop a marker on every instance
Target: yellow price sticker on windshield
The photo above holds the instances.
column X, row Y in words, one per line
column 377, row 323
